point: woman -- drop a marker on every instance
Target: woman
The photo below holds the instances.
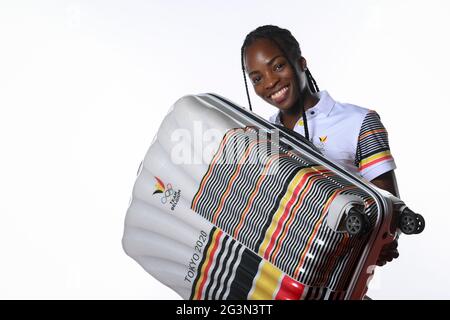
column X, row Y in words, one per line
column 350, row 135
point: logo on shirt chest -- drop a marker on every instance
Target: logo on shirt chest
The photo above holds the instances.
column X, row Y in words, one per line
column 321, row 143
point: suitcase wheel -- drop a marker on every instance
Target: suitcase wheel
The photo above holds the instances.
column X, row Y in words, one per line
column 411, row 223
column 421, row 223
column 356, row 223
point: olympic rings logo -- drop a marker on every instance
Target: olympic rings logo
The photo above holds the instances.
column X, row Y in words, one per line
column 167, row 193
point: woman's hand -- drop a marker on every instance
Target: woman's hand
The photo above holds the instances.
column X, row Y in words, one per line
column 388, row 253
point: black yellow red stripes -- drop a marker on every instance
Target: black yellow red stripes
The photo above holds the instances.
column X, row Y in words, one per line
column 230, row 271
column 373, row 145
column 277, row 209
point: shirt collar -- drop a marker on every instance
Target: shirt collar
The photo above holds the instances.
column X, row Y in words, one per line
column 324, row 106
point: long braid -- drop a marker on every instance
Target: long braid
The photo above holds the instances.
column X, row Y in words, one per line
column 245, row 78
column 312, row 82
column 291, row 50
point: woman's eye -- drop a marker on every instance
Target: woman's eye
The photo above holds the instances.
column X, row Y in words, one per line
column 279, row 66
column 256, row 79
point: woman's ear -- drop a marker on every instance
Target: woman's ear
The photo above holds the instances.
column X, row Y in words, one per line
column 301, row 64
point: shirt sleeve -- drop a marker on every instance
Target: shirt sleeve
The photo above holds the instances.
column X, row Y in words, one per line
column 373, row 155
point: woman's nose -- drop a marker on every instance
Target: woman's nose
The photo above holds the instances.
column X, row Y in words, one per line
column 271, row 81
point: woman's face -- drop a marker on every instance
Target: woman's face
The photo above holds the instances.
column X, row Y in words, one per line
column 271, row 74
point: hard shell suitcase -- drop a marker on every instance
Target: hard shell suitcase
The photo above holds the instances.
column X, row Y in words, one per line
column 229, row 206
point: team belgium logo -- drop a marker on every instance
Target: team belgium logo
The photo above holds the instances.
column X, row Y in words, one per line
column 321, row 144
column 167, row 193
column 167, row 190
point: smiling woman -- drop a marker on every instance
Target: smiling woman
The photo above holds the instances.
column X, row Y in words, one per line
column 276, row 81
column 350, row 135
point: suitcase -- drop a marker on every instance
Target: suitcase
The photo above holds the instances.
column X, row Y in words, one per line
column 229, row 206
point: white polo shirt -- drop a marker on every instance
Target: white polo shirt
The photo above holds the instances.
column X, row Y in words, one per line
column 347, row 134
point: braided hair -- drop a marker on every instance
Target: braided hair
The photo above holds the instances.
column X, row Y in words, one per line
column 290, row 48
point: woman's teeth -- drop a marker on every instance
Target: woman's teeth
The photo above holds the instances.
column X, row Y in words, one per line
column 279, row 93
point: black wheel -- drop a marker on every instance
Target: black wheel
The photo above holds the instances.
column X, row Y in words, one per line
column 409, row 223
column 356, row 223
column 421, row 223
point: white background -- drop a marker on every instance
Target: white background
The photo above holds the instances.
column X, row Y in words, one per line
column 84, row 86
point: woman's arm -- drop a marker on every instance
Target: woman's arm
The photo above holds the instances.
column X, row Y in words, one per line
column 388, row 182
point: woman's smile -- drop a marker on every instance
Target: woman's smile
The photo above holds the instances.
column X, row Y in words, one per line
column 281, row 95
